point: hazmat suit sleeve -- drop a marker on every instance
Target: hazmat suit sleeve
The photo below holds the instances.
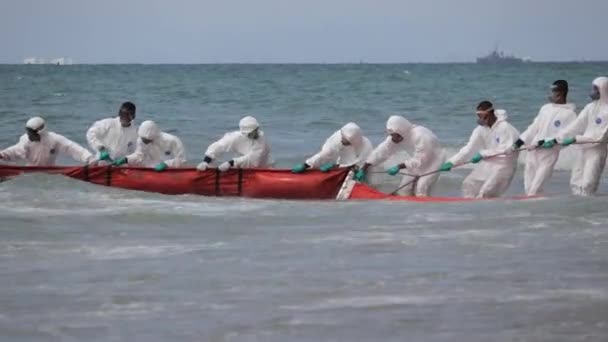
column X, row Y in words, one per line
column 17, row 151
column 178, row 152
column 137, row 158
column 97, row 132
column 218, row 148
column 329, row 152
column 255, row 157
column 366, row 151
column 532, row 130
column 72, row 149
column 579, row 125
column 593, row 138
column 474, row 144
column 383, row 151
column 420, row 156
column 585, row 135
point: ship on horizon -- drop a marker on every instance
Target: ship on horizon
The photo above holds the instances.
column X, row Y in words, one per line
column 499, row 57
column 54, row 61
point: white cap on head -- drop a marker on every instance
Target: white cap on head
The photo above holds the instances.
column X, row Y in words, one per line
column 36, row 124
column 248, row 124
column 148, row 130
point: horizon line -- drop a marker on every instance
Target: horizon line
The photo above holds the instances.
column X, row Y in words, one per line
column 307, row 63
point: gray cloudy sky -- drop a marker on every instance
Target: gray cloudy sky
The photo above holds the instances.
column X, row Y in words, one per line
column 271, row 31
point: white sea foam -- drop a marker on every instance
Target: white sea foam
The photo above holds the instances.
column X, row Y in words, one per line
column 385, row 301
column 143, row 251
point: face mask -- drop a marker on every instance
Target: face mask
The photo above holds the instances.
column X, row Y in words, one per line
column 253, row 135
column 33, row 135
column 482, row 122
column 594, row 96
column 396, row 138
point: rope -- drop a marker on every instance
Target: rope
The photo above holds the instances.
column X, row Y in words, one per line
column 416, row 177
column 453, row 167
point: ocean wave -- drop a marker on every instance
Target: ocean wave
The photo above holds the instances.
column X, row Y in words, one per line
column 143, row 251
column 387, row 301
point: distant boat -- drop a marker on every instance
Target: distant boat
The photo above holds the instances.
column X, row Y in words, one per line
column 55, row 61
column 62, row 61
column 34, row 60
column 499, row 57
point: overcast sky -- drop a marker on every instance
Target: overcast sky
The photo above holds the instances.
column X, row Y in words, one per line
column 310, row 31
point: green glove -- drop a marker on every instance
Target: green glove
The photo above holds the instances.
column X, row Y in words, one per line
column 299, row 168
column 568, row 141
column 160, row 167
column 476, row 158
column 393, row 171
column 360, row 176
column 120, row 161
column 549, row 143
column 327, row 167
column 447, row 166
column 104, row 155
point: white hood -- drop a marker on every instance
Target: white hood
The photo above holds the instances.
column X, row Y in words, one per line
column 501, row 115
column 37, row 124
column 149, row 130
column 398, row 124
column 352, row 133
column 248, row 124
column 602, row 84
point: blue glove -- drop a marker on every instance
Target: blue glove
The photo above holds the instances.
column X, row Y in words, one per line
column 393, row 171
column 549, row 143
column 161, row 167
column 120, row 161
column 104, row 155
column 360, row 176
column 299, row 168
column 568, row 141
column 476, row 158
column 327, row 167
column 447, row 166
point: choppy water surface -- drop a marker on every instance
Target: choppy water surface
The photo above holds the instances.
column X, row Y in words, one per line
column 85, row 263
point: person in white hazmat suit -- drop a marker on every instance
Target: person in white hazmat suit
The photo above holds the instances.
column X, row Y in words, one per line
column 155, row 149
column 248, row 143
column 539, row 137
column 345, row 147
column 490, row 147
column 590, row 126
column 114, row 138
column 425, row 152
column 38, row 147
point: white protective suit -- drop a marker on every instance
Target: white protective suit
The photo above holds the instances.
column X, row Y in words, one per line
column 540, row 162
column 252, row 153
column 590, row 126
column 425, row 152
column 491, row 177
column 45, row 151
column 164, row 147
column 333, row 151
column 119, row 141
